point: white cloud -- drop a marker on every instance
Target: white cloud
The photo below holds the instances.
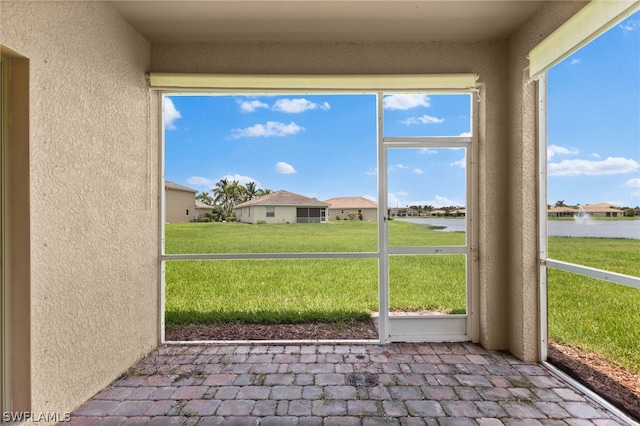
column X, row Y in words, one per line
column 460, row 163
column 271, row 128
column 428, row 151
column 404, row 102
column 372, row 172
column 610, row 166
column 284, row 168
column 629, row 26
column 552, row 150
column 633, row 183
column 295, row 106
column 242, row 180
column 394, row 201
column 594, row 155
column 251, row 106
column 418, row 171
column 440, row 201
column 465, row 134
column 210, row 183
column 425, row 119
column 437, row 202
column 201, row 181
column 575, row 61
column 398, row 166
column 169, row 114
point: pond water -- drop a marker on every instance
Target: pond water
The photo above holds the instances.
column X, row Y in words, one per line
column 557, row 228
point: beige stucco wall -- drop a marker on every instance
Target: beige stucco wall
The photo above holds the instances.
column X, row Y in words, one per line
column 367, row 214
column 93, row 197
column 255, row 214
column 178, row 203
column 522, row 207
column 488, row 59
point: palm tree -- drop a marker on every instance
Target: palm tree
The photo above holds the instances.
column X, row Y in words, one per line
column 223, row 196
column 251, row 191
column 220, row 191
column 262, row 191
column 205, row 197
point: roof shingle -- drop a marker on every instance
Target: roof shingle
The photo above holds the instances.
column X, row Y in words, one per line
column 283, row 198
column 351, row 203
column 171, row 185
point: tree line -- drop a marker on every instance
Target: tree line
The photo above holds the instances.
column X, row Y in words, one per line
column 226, row 194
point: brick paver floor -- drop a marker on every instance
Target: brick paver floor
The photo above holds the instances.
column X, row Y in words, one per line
column 341, row 384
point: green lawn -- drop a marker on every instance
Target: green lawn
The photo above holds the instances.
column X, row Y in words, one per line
column 304, row 290
column 592, row 314
column 583, row 312
column 335, row 236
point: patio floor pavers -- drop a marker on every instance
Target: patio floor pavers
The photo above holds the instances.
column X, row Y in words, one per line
column 310, row 384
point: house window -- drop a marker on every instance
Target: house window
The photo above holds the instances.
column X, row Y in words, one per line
column 271, row 211
column 187, row 212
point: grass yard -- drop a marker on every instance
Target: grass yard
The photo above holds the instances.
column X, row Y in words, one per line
column 593, row 314
column 335, row 236
column 305, row 290
column 583, row 312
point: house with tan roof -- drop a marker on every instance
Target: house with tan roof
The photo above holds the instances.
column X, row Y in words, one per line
column 180, row 203
column 598, row 210
column 282, row 207
column 364, row 208
column 561, row 211
column 603, row 210
column 202, row 209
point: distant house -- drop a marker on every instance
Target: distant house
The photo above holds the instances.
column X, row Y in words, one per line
column 603, row 210
column 597, row 210
column 282, row 207
column 202, row 209
column 437, row 212
column 180, row 203
column 340, row 207
column 562, row 211
column 402, row 211
column 458, row 212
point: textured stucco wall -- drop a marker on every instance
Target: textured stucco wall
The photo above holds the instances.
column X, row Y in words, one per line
column 93, row 196
column 488, row 59
column 523, row 176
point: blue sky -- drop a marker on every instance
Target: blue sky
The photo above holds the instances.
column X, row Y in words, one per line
column 594, row 121
column 324, row 146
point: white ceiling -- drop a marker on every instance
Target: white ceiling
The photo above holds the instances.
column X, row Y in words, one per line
column 325, row 20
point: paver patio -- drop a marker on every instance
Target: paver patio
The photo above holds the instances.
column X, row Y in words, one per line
column 339, row 384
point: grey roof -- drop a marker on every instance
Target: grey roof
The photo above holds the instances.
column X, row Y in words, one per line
column 283, row 198
column 171, row 185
